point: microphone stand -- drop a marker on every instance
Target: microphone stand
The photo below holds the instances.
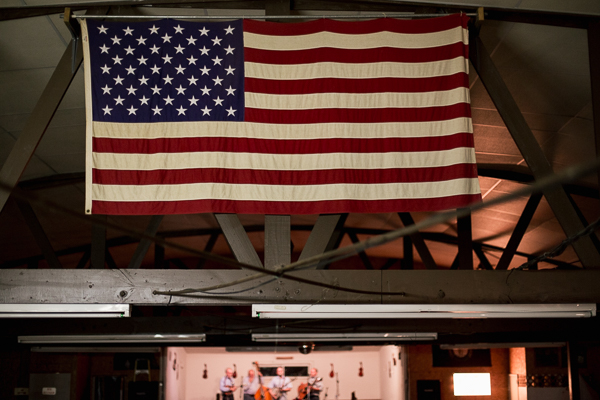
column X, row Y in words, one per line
column 337, row 386
column 242, row 389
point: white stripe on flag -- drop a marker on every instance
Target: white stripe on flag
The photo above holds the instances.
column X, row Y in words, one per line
column 355, row 71
column 362, row 41
column 357, row 100
column 283, row 162
column 253, row 192
column 292, row 131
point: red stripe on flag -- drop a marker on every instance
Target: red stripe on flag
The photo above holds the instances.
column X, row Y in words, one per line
column 325, row 115
column 357, row 27
column 338, row 85
column 284, row 208
column 263, row 177
column 360, row 56
column 268, row 146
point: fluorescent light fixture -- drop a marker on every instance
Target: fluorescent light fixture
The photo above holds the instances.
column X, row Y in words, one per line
column 354, row 311
column 94, row 349
column 65, row 310
column 478, row 384
column 151, row 338
column 344, row 337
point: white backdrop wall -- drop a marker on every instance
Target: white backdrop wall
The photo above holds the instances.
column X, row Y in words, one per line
column 175, row 375
column 392, row 373
column 346, row 366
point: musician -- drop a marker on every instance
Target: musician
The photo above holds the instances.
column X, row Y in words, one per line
column 227, row 385
column 251, row 385
column 280, row 385
column 315, row 385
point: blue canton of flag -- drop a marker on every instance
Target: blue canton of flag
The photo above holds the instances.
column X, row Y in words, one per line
column 167, row 70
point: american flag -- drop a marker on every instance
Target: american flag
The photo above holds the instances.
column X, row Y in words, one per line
column 271, row 118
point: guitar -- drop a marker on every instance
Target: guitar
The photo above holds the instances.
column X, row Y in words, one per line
column 305, row 388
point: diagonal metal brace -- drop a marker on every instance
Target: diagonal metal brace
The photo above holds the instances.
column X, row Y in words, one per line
column 75, row 29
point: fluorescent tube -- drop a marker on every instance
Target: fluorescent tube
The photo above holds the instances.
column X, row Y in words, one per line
column 150, row 338
column 65, row 310
column 344, row 337
column 355, row 311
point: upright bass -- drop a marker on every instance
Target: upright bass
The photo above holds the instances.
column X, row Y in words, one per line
column 263, row 392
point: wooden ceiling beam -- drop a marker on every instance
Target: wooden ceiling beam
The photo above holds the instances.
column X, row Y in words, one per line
column 137, row 287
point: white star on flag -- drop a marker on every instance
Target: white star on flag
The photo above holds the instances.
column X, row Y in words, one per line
column 131, row 90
